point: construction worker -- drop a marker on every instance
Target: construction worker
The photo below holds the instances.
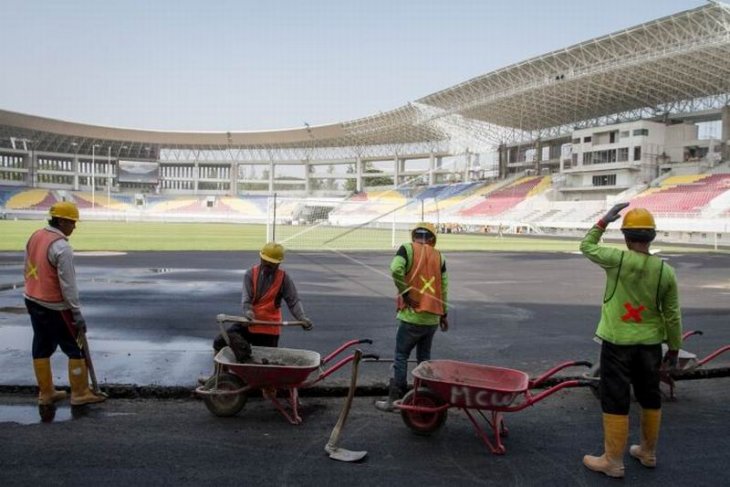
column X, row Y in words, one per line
column 419, row 274
column 52, row 300
column 640, row 311
column 265, row 285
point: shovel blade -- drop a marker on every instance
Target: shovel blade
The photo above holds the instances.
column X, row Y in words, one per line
column 344, row 455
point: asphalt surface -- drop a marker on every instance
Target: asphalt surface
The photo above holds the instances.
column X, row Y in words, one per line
column 178, row 443
column 151, row 319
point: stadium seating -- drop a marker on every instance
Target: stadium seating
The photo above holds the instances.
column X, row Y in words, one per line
column 508, row 197
column 683, row 194
column 31, row 199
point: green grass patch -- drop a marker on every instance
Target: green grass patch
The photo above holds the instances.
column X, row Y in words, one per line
column 154, row 236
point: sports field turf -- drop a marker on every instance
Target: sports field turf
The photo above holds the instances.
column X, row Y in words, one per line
column 148, row 236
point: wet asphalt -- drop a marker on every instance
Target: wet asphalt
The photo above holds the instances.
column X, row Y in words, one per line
column 151, row 319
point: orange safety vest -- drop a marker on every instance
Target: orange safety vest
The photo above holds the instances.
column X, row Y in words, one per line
column 265, row 307
column 41, row 277
column 424, row 280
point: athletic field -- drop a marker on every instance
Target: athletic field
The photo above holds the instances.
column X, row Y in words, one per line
column 148, row 236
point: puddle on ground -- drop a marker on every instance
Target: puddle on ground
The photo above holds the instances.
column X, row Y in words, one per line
column 50, row 414
column 16, row 310
column 34, row 414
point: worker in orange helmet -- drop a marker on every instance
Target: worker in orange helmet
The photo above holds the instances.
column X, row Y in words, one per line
column 419, row 275
column 640, row 311
column 52, row 300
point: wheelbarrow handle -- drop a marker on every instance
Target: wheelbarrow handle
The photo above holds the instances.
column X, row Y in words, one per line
column 224, row 318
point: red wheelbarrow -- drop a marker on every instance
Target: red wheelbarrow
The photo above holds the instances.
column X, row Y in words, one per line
column 269, row 370
column 443, row 384
column 687, row 362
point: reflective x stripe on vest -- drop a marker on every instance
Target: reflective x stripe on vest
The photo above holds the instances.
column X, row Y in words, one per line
column 264, row 307
column 41, row 277
column 424, row 280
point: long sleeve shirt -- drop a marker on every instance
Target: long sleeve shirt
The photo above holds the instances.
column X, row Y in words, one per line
column 288, row 292
column 399, row 267
column 641, row 300
column 61, row 256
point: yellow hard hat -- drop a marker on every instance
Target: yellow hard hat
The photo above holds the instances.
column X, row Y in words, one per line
column 65, row 210
column 638, row 219
column 424, row 226
column 272, row 252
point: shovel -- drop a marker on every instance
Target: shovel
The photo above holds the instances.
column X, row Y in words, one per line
column 84, row 345
column 335, row 452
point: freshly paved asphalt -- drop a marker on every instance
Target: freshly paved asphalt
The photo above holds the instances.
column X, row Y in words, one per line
column 152, row 316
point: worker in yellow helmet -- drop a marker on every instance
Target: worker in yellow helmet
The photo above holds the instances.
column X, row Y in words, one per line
column 420, row 278
column 640, row 311
column 52, row 300
column 265, row 286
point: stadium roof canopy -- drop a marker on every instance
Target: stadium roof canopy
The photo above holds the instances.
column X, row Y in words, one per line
column 675, row 64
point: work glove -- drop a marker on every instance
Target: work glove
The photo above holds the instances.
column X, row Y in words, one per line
column 670, row 359
column 614, row 213
column 444, row 323
column 307, row 324
column 79, row 320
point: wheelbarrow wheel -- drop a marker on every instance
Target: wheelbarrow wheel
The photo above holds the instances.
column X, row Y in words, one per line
column 225, row 405
column 423, row 423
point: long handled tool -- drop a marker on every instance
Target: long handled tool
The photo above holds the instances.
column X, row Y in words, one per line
column 84, row 345
column 224, row 318
column 334, row 451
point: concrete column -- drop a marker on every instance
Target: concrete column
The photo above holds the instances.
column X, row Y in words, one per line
column 358, row 174
column 503, row 158
column 196, row 177
column 30, row 160
column 75, row 168
column 234, row 179
column 272, row 167
column 467, row 166
column 396, row 176
column 307, row 181
column 431, row 167
column 725, row 133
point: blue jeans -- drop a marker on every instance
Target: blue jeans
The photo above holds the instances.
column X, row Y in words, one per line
column 407, row 338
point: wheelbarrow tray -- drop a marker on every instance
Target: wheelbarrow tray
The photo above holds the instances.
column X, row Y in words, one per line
column 285, row 367
column 468, row 385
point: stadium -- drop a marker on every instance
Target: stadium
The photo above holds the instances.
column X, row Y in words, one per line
column 540, row 147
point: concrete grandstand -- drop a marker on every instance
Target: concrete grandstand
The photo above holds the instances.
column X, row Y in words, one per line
column 541, row 146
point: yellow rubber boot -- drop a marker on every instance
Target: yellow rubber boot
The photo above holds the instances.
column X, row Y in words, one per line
column 646, row 451
column 47, row 394
column 615, row 434
column 78, row 376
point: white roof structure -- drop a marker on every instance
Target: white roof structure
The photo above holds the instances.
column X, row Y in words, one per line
column 672, row 65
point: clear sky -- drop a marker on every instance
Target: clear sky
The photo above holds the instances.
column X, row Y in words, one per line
column 222, row 65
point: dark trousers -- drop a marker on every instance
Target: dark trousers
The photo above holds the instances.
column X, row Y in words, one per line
column 52, row 329
column 407, row 338
column 257, row 339
column 623, row 366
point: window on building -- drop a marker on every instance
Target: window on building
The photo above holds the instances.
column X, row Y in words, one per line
column 637, row 153
column 575, row 159
column 624, row 134
column 604, row 180
column 587, row 158
column 640, row 132
column 576, row 141
column 612, row 137
column 587, row 139
column 623, row 154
